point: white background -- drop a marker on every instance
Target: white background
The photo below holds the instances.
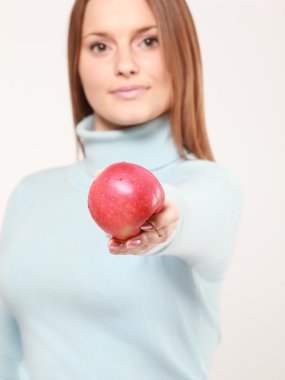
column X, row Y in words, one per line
column 243, row 53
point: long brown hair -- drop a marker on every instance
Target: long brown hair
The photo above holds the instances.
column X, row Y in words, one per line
column 181, row 51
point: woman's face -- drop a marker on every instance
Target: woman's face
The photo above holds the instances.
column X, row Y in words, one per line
column 116, row 52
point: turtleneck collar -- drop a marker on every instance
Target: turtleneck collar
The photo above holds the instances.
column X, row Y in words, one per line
column 149, row 144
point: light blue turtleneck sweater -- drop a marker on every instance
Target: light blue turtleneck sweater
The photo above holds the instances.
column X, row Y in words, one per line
column 70, row 310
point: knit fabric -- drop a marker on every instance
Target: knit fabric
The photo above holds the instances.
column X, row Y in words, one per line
column 70, row 310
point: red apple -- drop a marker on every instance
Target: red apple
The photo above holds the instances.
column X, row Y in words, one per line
column 123, row 197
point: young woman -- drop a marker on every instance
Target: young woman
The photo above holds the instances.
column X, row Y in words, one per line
column 77, row 304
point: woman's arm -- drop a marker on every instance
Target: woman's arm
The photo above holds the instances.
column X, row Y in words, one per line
column 199, row 224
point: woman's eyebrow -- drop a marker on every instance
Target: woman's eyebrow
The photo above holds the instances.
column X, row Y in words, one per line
column 106, row 34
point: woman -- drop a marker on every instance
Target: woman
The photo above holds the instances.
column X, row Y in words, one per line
column 76, row 304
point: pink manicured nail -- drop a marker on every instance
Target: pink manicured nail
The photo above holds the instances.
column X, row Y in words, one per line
column 116, row 245
column 146, row 227
column 133, row 243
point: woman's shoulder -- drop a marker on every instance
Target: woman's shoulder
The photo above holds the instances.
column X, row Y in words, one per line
column 202, row 172
column 31, row 191
column 41, row 182
column 197, row 165
column 57, row 173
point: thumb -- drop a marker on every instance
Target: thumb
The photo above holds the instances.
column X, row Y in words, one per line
column 97, row 172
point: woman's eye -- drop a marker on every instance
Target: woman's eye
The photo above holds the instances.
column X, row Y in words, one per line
column 150, row 41
column 98, row 47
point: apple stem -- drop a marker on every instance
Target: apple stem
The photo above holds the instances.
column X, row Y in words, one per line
column 156, row 230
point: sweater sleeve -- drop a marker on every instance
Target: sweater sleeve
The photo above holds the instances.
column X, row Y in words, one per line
column 10, row 342
column 210, row 204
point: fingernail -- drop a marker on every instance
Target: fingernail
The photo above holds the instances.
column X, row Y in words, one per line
column 146, row 227
column 116, row 245
column 133, row 243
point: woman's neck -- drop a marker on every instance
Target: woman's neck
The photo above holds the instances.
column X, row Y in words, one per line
column 149, row 144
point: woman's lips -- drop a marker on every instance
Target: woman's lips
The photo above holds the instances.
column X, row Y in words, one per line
column 130, row 94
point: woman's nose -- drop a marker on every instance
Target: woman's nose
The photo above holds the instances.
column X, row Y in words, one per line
column 126, row 63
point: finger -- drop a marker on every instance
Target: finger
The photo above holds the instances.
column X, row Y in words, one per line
column 124, row 247
column 131, row 246
column 114, row 244
column 168, row 215
column 151, row 238
column 97, row 172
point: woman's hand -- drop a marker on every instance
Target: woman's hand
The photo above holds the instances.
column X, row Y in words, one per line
column 165, row 222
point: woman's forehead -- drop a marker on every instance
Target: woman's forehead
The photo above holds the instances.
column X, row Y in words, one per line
column 117, row 15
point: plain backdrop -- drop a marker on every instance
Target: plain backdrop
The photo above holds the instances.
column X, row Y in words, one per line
column 243, row 52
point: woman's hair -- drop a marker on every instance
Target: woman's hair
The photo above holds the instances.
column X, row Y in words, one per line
column 180, row 48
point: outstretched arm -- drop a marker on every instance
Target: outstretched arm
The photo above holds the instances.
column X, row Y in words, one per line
column 199, row 223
